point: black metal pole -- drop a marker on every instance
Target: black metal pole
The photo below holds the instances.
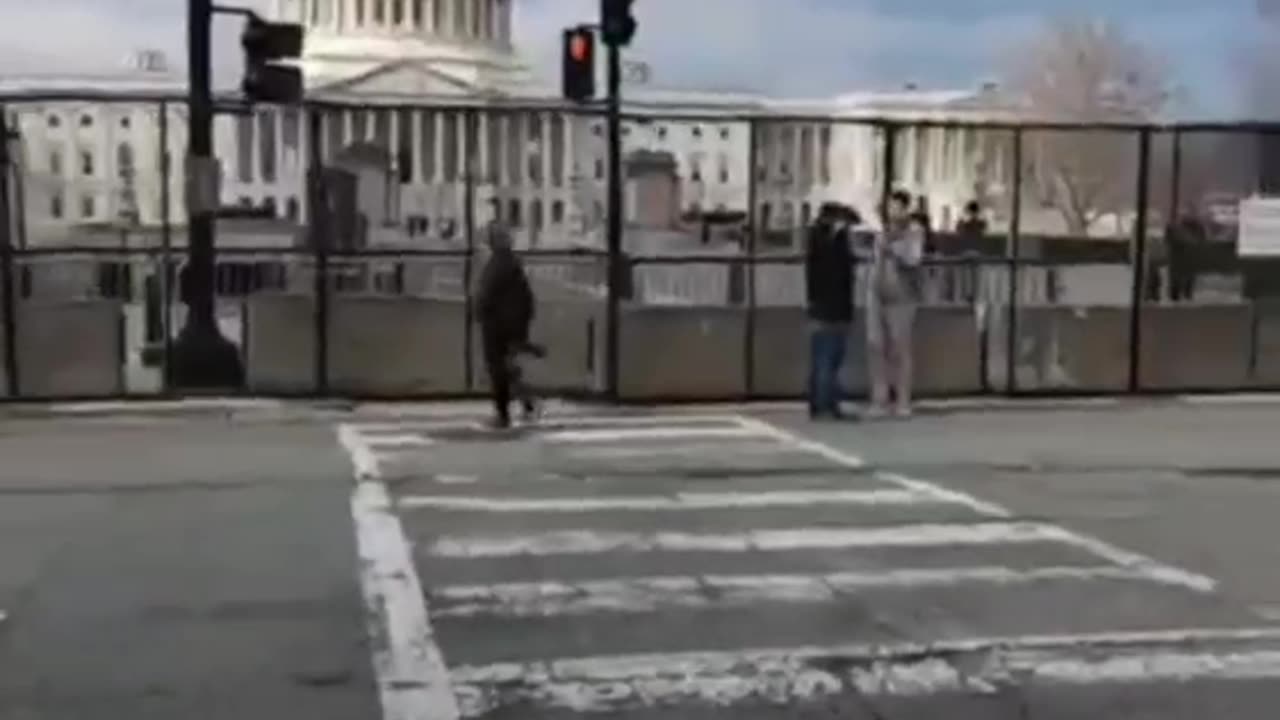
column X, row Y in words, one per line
column 1014, row 255
column 9, row 309
column 471, row 126
column 1175, row 179
column 166, row 250
column 749, row 336
column 1140, row 260
column 318, row 228
column 612, row 332
column 888, row 167
column 202, row 357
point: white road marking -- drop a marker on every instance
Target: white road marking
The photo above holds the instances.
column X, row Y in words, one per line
column 658, row 594
column 566, row 422
column 691, row 501
column 413, row 679
column 647, row 433
column 786, row 676
column 586, row 542
column 767, row 447
column 457, row 479
column 398, row 441
column 1237, row 399
column 1155, row 570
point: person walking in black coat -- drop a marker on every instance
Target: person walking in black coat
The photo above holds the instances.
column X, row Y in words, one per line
column 505, row 309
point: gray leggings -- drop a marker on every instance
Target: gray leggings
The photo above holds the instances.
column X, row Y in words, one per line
column 889, row 352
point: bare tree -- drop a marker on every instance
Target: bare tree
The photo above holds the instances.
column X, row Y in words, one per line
column 1087, row 72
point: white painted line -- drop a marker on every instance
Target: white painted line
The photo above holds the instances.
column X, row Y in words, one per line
column 586, row 542
column 1156, row 571
column 653, row 433
column 787, row 676
column 1241, row 399
column 852, row 461
column 413, row 679
column 550, row 423
column 656, row 594
column 403, row 440
column 767, row 447
column 457, row 479
column 689, row 501
column 362, row 456
column 166, row 405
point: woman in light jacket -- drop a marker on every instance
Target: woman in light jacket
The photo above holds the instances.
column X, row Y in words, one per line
column 894, row 291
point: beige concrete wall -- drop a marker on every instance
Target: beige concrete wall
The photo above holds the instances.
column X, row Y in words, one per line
column 395, row 346
column 1196, row 346
column 279, row 343
column 573, row 333
column 1266, row 371
column 682, row 352
column 70, row 348
column 1060, row 348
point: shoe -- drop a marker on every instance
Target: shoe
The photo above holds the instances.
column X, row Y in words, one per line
column 499, row 423
column 532, row 411
column 902, row 411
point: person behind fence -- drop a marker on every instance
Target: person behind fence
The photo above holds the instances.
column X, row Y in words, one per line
column 505, row 307
column 894, row 290
column 829, row 289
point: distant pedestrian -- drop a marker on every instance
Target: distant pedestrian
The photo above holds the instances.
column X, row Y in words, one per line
column 894, row 291
column 829, row 283
column 505, row 307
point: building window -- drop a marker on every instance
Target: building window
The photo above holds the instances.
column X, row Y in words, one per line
column 535, row 214
column 513, row 212
column 55, row 162
column 599, row 168
column 697, row 131
column 597, row 130
column 269, row 206
column 724, row 133
column 125, row 122
column 291, row 208
column 86, row 163
column 86, row 121
column 55, row 206
column 695, row 173
column 557, row 212
column 662, row 132
column 88, row 207
column 55, row 121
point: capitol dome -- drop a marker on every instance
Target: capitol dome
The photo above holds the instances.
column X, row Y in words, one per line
column 412, row 48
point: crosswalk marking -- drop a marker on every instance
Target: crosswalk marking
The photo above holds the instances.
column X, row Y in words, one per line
column 790, row 676
column 686, row 501
column 597, row 435
column 588, row 542
column 656, row 594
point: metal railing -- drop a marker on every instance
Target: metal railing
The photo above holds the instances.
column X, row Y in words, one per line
column 1079, row 279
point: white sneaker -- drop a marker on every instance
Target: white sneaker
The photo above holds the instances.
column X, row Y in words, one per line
column 902, row 411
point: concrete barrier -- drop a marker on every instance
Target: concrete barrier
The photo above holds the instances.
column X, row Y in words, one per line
column 573, row 332
column 279, row 343
column 1060, row 348
column 948, row 353
column 70, row 348
column 396, row 346
column 1265, row 364
column 1205, row 347
column 683, row 353
column 4, row 363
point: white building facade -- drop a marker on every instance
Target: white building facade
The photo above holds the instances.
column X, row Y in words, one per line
column 435, row 82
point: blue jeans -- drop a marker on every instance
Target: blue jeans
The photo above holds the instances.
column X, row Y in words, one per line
column 826, row 356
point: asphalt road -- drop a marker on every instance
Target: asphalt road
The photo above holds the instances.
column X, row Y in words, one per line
column 1105, row 562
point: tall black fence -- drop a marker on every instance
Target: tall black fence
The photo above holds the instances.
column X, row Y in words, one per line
column 1063, row 259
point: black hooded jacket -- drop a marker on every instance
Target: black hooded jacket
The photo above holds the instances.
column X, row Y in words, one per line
column 828, row 266
column 504, row 303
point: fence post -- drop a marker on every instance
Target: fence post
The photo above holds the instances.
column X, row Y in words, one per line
column 166, row 251
column 9, row 308
column 749, row 336
column 1014, row 255
column 319, row 231
column 469, row 145
column 1175, row 178
column 1140, row 260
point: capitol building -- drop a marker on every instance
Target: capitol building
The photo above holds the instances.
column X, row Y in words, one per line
column 409, row 89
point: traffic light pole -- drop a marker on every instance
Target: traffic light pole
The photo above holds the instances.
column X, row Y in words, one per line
column 202, row 357
column 614, row 240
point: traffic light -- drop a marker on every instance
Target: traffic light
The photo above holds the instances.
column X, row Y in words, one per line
column 617, row 25
column 579, row 83
column 264, row 44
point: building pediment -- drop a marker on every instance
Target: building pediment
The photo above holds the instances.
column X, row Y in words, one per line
column 400, row 79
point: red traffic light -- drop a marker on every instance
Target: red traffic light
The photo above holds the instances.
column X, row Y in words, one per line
column 580, row 48
column 579, row 64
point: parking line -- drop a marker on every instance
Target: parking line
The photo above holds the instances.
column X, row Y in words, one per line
column 413, row 680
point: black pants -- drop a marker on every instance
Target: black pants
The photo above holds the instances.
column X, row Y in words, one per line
column 497, row 348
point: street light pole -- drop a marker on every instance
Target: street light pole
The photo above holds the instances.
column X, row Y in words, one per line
column 202, row 357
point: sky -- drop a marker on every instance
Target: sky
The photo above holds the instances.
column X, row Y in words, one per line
column 797, row 48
